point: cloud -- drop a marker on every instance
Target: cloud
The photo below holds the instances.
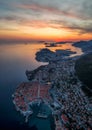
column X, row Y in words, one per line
column 8, row 18
column 58, row 14
column 79, row 27
column 68, row 25
column 35, row 23
column 8, row 29
column 79, row 9
column 87, row 9
column 47, row 9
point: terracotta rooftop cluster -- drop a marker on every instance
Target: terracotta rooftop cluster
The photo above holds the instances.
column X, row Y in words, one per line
column 28, row 92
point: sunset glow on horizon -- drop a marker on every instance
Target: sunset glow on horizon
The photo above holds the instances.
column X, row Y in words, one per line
column 59, row 20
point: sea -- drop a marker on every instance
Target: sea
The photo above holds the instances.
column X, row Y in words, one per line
column 15, row 59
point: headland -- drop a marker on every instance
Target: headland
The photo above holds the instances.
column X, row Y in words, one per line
column 58, row 86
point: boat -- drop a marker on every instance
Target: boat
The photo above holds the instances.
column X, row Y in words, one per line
column 42, row 114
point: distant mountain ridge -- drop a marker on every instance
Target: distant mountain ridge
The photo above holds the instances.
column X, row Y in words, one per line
column 86, row 46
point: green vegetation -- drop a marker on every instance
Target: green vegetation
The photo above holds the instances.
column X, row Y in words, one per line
column 83, row 69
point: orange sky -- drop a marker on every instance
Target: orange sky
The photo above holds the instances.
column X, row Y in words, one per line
column 44, row 34
column 44, row 20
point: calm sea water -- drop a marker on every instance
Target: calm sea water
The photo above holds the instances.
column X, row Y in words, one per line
column 14, row 60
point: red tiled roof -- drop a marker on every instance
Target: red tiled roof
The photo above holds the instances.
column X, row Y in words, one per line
column 64, row 118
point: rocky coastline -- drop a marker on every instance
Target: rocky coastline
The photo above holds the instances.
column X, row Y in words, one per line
column 71, row 108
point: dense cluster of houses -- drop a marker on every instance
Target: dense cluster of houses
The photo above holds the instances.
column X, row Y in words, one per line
column 58, row 85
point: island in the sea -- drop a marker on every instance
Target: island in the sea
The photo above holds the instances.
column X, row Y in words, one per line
column 58, row 86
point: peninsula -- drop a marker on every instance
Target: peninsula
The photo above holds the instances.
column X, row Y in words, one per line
column 57, row 85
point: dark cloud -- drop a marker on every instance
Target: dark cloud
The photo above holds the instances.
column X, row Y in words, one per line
column 81, row 9
column 8, row 18
column 49, row 9
column 11, row 19
column 85, row 27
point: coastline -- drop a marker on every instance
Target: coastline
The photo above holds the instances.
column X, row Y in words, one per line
column 59, row 84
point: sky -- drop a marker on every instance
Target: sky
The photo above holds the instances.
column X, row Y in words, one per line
column 52, row 20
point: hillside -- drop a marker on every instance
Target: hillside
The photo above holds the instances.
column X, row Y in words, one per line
column 83, row 69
